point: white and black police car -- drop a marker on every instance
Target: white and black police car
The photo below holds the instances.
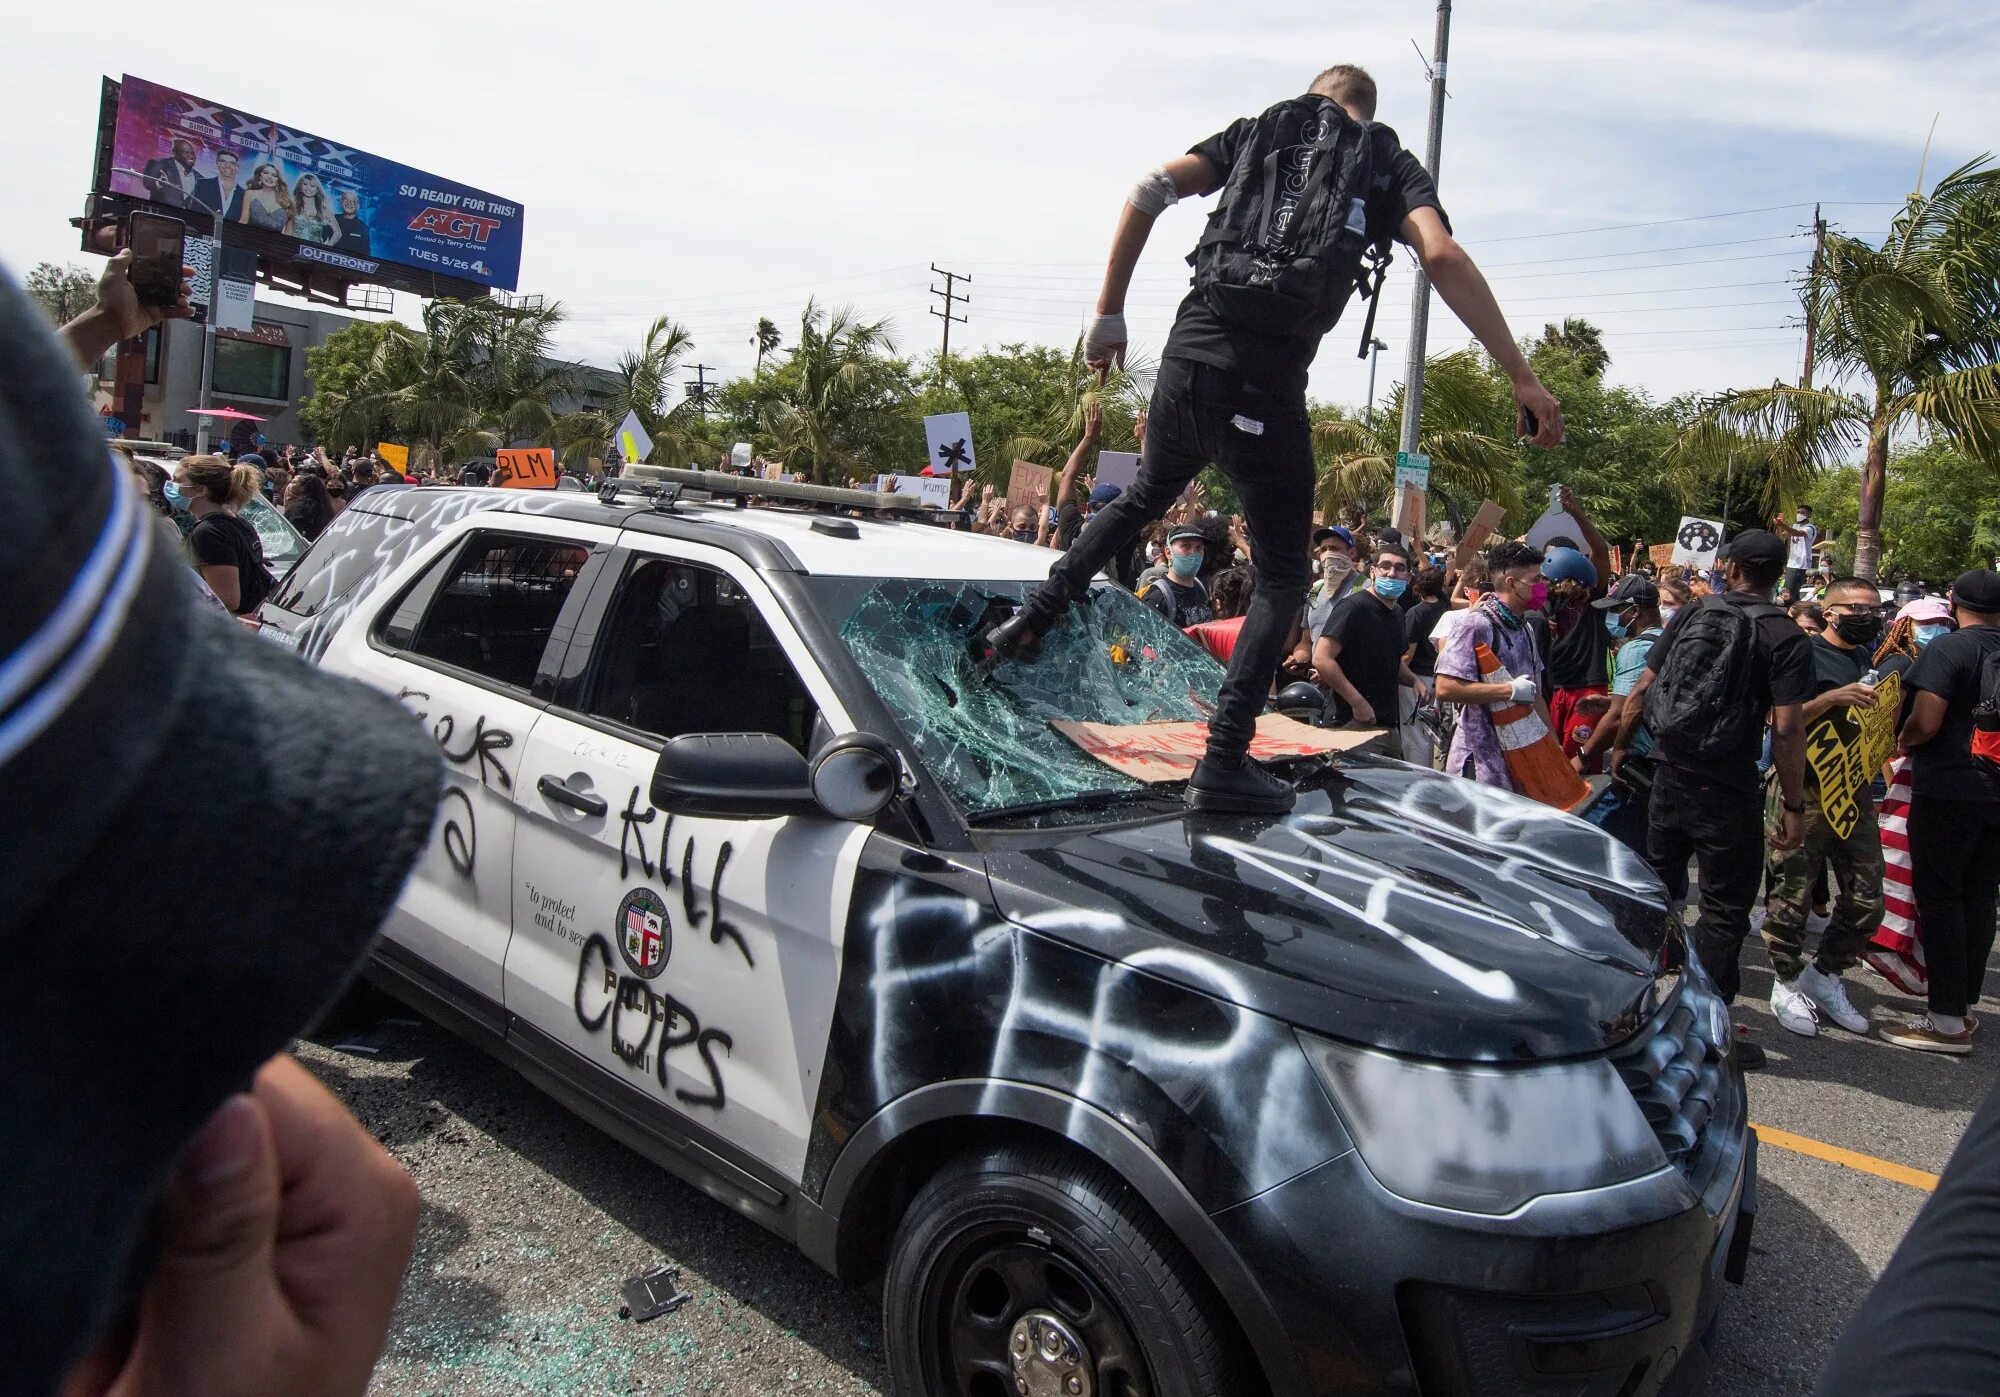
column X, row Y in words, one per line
column 1414, row 1090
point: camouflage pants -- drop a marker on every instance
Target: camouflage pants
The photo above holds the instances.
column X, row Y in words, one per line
column 1857, row 909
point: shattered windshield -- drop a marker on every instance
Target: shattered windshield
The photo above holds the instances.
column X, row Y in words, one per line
column 987, row 737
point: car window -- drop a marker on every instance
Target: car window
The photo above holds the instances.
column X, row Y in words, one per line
column 496, row 609
column 685, row 650
column 282, row 543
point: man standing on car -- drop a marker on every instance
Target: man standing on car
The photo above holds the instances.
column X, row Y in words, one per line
column 1235, row 395
column 1718, row 669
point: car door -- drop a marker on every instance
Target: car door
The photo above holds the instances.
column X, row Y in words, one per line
column 462, row 644
column 694, row 958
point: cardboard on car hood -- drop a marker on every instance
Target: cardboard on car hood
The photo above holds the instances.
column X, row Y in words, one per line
column 1168, row 751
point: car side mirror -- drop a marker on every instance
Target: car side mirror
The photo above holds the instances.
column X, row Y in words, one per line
column 733, row 775
column 760, row 776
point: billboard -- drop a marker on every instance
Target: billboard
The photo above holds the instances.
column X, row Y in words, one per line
column 343, row 209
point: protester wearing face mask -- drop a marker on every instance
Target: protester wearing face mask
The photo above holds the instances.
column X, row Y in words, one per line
column 1632, row 617
column 1178, row 594
column 1359, row 656
column 1799, row 536
column 1802, row 993
column 1896, row 951
column 1498, row 625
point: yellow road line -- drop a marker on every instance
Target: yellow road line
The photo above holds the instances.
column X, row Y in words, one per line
column 1852, row 1159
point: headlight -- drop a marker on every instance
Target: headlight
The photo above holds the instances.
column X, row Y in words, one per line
column 1486, row 1139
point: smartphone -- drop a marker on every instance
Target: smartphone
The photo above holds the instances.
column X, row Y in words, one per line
column 159, row 247
column 1528, row 425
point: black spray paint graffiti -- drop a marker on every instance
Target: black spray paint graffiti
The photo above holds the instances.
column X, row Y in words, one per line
column 461, row 841
column 635, row 1013
column 719, row 927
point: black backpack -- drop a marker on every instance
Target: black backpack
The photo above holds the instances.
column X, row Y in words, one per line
column 1704, row 704
column 1986, row 712
column 1288, row 242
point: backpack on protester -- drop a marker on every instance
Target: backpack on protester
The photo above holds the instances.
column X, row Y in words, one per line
column 1288, row 242
column 1986, row 712
column 1703, row 705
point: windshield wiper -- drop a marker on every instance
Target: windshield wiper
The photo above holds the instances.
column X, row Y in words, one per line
column 1082, row 800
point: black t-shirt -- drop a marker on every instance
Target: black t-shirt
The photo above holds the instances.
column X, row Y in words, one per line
column 1944, row 768
column 1370, row 636
column 1277, row 363
column 1184, row 606
column 223, row 540
column 1784, row 675
column 1418, row 623
column 1835, row 668
column 1579, row 648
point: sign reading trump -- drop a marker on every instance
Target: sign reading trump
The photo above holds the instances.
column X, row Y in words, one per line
column 344, row 208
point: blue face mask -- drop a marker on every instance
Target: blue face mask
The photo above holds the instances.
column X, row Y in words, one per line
column 1390, row 587
column 1615, row 627
column 1926, row 634
column 1185, row 564
column 172, row 493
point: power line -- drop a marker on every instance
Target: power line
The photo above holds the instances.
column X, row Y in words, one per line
column 951, row 279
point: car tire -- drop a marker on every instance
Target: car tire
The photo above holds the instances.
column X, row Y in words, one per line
column 1039, row 1249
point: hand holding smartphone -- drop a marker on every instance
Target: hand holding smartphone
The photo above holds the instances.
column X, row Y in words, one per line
column 159, row 247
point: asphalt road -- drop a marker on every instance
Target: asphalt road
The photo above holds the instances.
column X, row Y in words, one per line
column 532, row 1220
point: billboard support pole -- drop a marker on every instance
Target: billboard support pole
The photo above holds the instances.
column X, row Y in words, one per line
column 207, row 378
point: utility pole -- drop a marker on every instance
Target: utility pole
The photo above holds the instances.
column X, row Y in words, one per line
column 1420, row 296
column 950, row 294
column 1375, row 348
column 1812, row 294
column 698, row 390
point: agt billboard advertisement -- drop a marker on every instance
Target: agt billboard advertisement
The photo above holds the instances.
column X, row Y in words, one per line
column 344, row 208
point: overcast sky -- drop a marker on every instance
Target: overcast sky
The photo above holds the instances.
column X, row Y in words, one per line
column 720, row 162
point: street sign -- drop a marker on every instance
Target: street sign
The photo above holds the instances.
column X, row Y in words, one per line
column 1413, row 469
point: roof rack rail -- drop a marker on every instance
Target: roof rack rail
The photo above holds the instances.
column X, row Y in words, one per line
column 651, row 481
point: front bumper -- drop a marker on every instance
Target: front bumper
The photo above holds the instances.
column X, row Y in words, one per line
column 1612, row 1291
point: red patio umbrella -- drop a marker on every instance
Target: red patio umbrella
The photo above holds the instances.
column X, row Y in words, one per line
column 225, row 412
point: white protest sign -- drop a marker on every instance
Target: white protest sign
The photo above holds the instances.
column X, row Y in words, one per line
column 933, row 492
column 1118, row 468
column 1556, row 522
column 235, row 305
column 949, row 436
column 739, row 455
column 1697, row 540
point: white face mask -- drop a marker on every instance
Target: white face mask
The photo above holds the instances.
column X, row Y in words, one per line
column 1667, row 614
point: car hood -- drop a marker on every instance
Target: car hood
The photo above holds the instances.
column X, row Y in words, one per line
column 1393, row 908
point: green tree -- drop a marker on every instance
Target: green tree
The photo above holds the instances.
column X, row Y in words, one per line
column 1907, row 338
column 1582, row 342
column 643, row 386
column 767, row 340
column 839, row 399
column 1027, row 403
column 63, row 292
column 332, row 371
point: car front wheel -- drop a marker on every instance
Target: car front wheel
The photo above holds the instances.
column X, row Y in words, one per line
column 1028, row 1272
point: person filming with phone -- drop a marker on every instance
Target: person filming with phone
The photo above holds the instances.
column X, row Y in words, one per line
column 1274, row 269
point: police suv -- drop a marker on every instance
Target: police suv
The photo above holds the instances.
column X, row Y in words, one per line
column 1414, row 1090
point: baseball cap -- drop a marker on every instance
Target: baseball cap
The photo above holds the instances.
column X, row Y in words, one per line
column 193, row 786
column 1978, row 590
column 1632, row 590
column 1925, row 609
column 1754, row 546
column 1187, row 531
column 1335, row 531
column 1102, row 495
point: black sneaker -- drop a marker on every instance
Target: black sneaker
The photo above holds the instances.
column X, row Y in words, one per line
column 1241, row 787
column 1012, row 639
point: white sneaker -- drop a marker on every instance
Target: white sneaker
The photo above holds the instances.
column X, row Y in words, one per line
column 1793, row 1009
column 1829, row 995
column 1757, row 916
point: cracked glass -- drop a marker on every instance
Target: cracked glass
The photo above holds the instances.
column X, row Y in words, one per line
column 987, row 738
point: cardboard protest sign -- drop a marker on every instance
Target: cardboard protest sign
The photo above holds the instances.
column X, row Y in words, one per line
column 525, row 468
column 397, row 457
column 1168, row 751
column 1661, row 555
column 1028, row 485
column 1118, row 468
column 1477, row 532
column 1697, row 541
column 1845, row 751
column 933, row 492
column 739, row 455
column 949, row 438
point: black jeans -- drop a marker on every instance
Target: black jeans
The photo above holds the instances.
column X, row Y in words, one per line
column 1263, row 443
column 1722, row 828
column 1955, row 873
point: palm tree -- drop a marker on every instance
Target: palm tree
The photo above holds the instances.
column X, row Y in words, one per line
column 1583, row 340
column 834, row 352
column 1907, row 338
column 767, row 340
column 644, row 387
column 1471, row 458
